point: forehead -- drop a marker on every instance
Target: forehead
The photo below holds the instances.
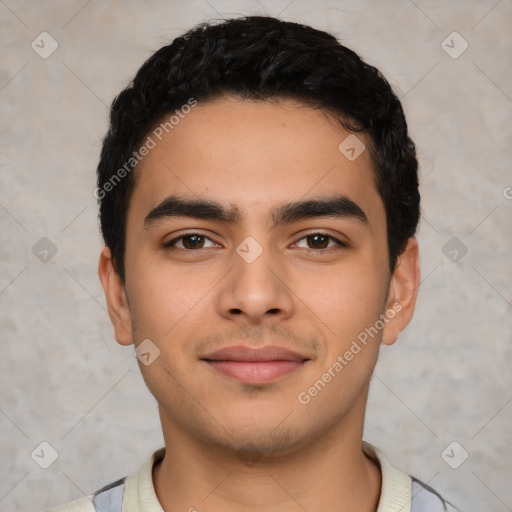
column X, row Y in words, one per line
column 254, row 154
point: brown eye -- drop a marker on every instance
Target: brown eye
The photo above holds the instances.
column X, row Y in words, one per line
column 318, row 241
column 193, row 241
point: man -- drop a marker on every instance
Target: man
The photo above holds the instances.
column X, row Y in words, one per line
column 258, row 200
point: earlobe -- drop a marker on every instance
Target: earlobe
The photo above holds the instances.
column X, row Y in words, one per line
column 117, row 302
column 403, row 291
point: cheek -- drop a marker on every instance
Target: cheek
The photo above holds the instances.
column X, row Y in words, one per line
column 165, row 298
column 347, row 296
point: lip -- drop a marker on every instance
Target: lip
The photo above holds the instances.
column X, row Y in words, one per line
column 255, row 366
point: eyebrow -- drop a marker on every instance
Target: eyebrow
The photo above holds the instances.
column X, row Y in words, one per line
column 334, row 206
column 338, row 206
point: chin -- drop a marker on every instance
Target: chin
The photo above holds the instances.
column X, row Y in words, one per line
column 251, row 441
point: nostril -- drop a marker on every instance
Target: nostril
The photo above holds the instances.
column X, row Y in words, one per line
column 273, row 311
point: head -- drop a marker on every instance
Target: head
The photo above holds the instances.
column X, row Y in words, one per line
column 234, row 136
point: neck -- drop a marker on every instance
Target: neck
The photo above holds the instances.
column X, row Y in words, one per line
column 330, row 473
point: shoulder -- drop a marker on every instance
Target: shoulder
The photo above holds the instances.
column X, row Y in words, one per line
column 107, row 499
column 401, row 491
column 131, row 490
column 426, row 499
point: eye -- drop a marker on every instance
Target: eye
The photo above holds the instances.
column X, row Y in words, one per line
column 191, row 242
column 319, row 241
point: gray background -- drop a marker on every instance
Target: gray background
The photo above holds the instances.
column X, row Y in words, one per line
column 63, row 378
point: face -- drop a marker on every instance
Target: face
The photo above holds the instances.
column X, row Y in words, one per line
column 256, row 261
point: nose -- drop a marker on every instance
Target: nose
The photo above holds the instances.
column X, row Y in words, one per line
column 256, row 291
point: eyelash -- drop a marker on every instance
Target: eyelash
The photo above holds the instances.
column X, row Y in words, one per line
column 171, row 244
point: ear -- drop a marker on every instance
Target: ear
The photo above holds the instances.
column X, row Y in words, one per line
column 403, row 291
column 117, row 302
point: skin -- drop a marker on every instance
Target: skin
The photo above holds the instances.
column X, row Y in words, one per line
column 234, row 446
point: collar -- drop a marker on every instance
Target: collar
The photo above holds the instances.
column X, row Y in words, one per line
column 395, row 493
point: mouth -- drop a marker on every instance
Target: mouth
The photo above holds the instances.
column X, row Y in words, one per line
column 255, row 366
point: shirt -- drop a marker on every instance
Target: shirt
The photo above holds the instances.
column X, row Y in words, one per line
column 400, row 492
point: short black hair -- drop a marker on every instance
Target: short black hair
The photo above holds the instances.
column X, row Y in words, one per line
column 260, row 58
